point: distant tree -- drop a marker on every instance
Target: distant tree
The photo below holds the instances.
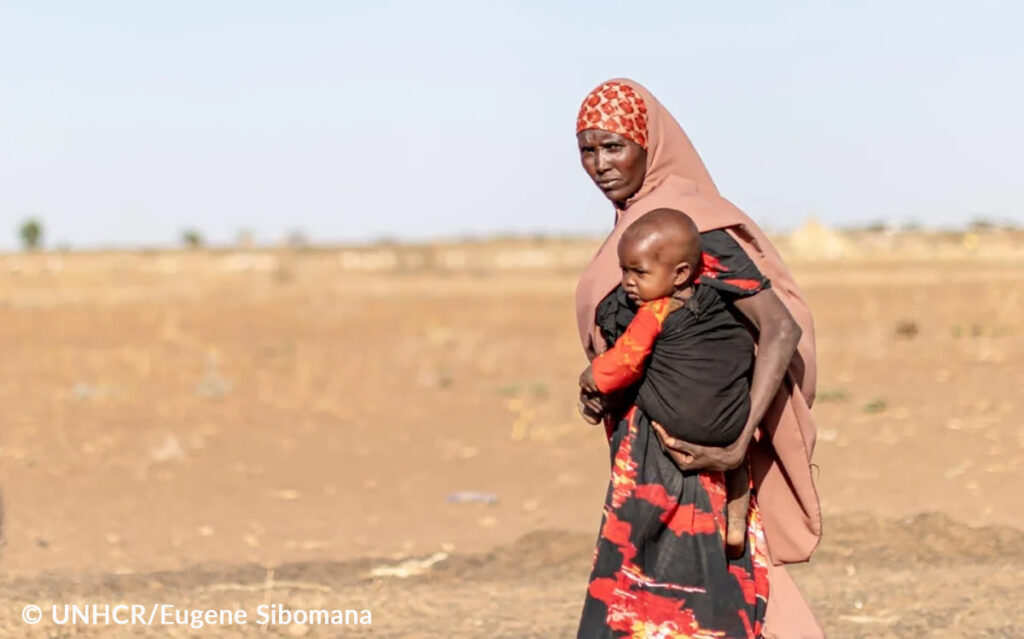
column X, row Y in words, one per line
column 31, row 234
column 912, row 226
column 245, row 238
column 297, row 239
column 192, row 238
column 981, row 223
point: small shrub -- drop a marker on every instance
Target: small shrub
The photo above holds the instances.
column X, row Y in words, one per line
column 191, row 238
column 837, row 395
column 875, row 406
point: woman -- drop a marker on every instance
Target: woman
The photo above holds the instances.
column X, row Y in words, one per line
column 660, row 566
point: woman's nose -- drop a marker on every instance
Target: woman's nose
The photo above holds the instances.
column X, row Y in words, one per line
column 601, row 163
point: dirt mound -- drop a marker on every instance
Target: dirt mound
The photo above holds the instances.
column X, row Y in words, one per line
column 863, row 539
column 872, row 577
column 540, row 552
column 870, row 539
column 814, row 240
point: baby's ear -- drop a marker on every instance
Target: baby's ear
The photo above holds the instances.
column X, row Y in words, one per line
column 683, row 272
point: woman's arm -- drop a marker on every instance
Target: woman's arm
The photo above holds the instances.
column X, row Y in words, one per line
column 777, row 338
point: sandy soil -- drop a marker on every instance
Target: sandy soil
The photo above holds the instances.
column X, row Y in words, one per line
column 209, row 432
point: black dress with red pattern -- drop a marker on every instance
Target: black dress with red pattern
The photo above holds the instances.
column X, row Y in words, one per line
column 660, row 565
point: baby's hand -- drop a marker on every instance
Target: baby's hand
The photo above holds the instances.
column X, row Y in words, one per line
column 591, row 407
column 587, row 381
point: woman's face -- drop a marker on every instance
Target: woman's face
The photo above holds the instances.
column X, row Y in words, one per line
column 616, row 164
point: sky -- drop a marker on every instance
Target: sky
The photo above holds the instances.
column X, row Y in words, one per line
column 122, row 123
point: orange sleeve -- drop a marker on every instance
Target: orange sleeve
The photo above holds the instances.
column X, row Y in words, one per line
column 621, row 366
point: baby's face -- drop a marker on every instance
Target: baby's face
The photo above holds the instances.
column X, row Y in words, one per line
column 644, row 277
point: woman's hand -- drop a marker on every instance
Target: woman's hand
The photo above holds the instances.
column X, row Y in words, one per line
column 592, row 407
column 695, row 457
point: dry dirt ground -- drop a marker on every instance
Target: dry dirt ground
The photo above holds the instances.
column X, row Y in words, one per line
column 216, row 430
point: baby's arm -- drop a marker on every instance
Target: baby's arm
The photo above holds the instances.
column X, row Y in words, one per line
column 621, row 366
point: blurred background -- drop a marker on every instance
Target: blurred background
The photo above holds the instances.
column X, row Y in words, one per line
column 286, row 299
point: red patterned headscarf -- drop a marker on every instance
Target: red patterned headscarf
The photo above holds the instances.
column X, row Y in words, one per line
column 615, row 107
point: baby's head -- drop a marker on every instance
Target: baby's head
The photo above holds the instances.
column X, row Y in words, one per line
column 659, row 254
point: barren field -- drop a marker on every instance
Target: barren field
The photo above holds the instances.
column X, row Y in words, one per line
column 231, row 429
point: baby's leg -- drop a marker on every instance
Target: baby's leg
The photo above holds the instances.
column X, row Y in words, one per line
column 737, row 482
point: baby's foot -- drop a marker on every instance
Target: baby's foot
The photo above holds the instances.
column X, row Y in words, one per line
column 736, row 537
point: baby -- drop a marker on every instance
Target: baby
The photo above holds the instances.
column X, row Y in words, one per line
column 692, row 358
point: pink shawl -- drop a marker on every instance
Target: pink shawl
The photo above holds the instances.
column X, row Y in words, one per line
column 677, row 178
